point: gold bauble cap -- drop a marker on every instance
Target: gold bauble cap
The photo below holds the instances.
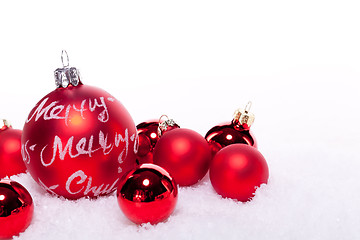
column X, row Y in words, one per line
column 244, row 118
column 4, row 124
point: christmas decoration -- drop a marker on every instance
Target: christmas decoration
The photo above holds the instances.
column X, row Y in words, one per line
column 185, row 154
column 149, row 133
column 11, row 162
column 16, row 208
column 78, row 140
column 237, row 170
column 237, row 131
column 147, row 194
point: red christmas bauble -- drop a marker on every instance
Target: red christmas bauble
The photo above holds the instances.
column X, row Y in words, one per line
column 78, row 140
column 236, row 131
column 148, row 133
column 148, row 137
column 185, row 154
column 229, row 133
column 16, row 209
column 147, row 194
column 237, row 170
column 11, row 162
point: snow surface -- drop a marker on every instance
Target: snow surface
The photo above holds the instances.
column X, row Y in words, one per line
column 306, row 198
column 197, row 61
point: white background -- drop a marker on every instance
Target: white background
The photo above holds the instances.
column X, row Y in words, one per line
column 198, row 61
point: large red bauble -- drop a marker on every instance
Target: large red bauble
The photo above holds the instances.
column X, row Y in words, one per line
column 16, row 209
column 237, row 170
column 185, row 154
column 78, row 141
column 229, row 133
column 11, row 162
column 148, row 133
column 147, row 194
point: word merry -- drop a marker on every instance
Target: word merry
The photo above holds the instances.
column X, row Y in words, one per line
column 85, row 146
column 58, row 111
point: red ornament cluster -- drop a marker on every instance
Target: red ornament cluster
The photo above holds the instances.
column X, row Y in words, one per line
column 79, row 141
column 237, row 168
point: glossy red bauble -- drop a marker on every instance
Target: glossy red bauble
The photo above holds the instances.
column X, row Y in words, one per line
column 237, row 170
column 148, row 137
column 236, row 131
column 229, row 133
column 185, row 154
column 148, row 133
column 78, row 141
column 11, row 162
column 16, row 209
column 147, row 194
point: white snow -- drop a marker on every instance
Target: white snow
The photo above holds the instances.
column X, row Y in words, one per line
column 309, row 196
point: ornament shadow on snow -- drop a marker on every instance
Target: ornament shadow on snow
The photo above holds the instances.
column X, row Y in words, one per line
column 78, row 140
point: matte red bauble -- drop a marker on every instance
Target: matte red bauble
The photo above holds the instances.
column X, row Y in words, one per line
column 237, row 170
column 185, row 154
column 147, row 194
column 149, row 133
column 16, row 209
column 11, row 162
column 236, row 131
column 78, row 140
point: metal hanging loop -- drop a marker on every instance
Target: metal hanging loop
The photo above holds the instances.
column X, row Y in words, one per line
column 66, row 75
column 66, row 63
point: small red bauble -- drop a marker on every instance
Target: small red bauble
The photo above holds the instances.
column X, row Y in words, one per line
column 185, row 154
column 237, row 131
column 237, row 170
column 11, row 162
column 78, row 140
column 147, row 194
column 148, row 137
column 149, row 133
column 16, row 209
